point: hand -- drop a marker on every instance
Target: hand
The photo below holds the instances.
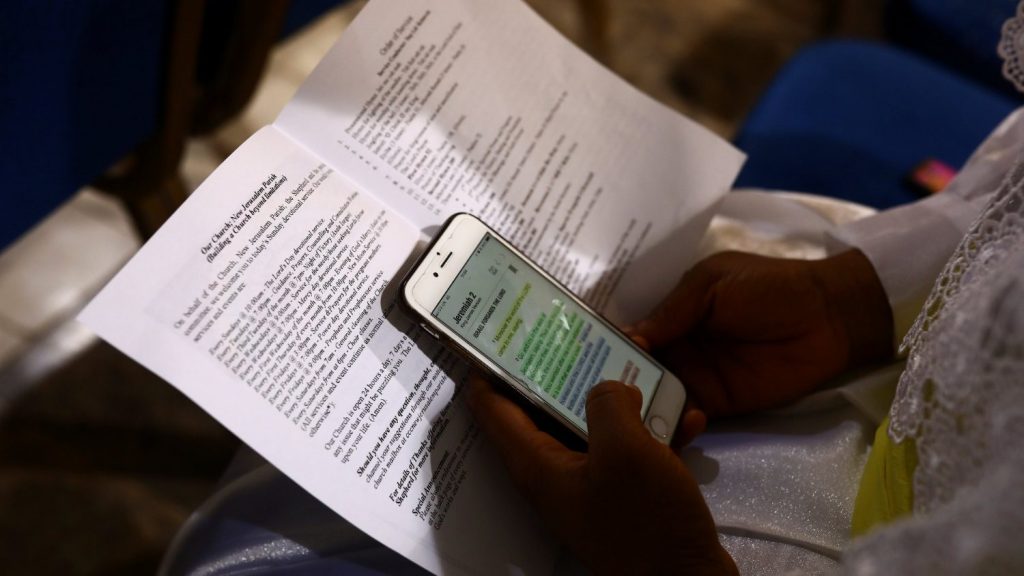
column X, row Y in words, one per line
column 746, row 332
column 627, row 506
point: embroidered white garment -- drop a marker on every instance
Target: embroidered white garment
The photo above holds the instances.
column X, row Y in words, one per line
column 1011, row 48
column 961, row 400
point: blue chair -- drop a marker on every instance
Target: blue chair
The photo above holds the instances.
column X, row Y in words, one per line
column 852, row 119
column 80, row 88
column 89, row 84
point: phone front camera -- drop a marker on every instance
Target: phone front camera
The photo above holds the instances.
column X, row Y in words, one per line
column 435, row 274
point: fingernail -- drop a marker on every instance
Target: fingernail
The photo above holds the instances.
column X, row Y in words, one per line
column 640, row 341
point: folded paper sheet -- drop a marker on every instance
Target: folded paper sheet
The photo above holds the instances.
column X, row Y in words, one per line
column 265, row 297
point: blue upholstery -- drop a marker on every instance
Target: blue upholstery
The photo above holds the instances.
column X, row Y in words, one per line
column 960, row 34
column 79, row 88
column 851, row 119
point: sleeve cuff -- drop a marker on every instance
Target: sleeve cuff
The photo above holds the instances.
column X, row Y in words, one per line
column 908, row 247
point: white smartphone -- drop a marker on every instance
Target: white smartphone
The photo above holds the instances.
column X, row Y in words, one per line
column 475, row 291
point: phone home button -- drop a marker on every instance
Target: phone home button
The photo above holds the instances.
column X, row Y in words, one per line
column 658, row 425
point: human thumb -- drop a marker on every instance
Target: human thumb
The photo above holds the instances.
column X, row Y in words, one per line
column 613, row 418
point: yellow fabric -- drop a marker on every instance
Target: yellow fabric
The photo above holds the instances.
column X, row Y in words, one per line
column 886, row 487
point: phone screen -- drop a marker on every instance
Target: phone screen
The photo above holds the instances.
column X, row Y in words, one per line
column 527, row 325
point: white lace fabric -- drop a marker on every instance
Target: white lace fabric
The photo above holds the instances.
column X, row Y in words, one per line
column 1011, row 49
column 961, row 400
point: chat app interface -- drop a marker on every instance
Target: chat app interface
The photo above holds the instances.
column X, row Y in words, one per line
column 525, row 324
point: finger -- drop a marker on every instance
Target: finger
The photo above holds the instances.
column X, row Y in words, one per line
column 639, row 341
column 698, row 365
column 613, row 418
column 679, row 312
column 527, row 452
column 692, row 423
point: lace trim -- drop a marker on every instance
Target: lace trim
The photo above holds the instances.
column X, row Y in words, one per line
column 1011, row 49
column 961, row 399
column 945, row 396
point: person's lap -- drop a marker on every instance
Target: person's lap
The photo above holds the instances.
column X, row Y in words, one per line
column 781, row 485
